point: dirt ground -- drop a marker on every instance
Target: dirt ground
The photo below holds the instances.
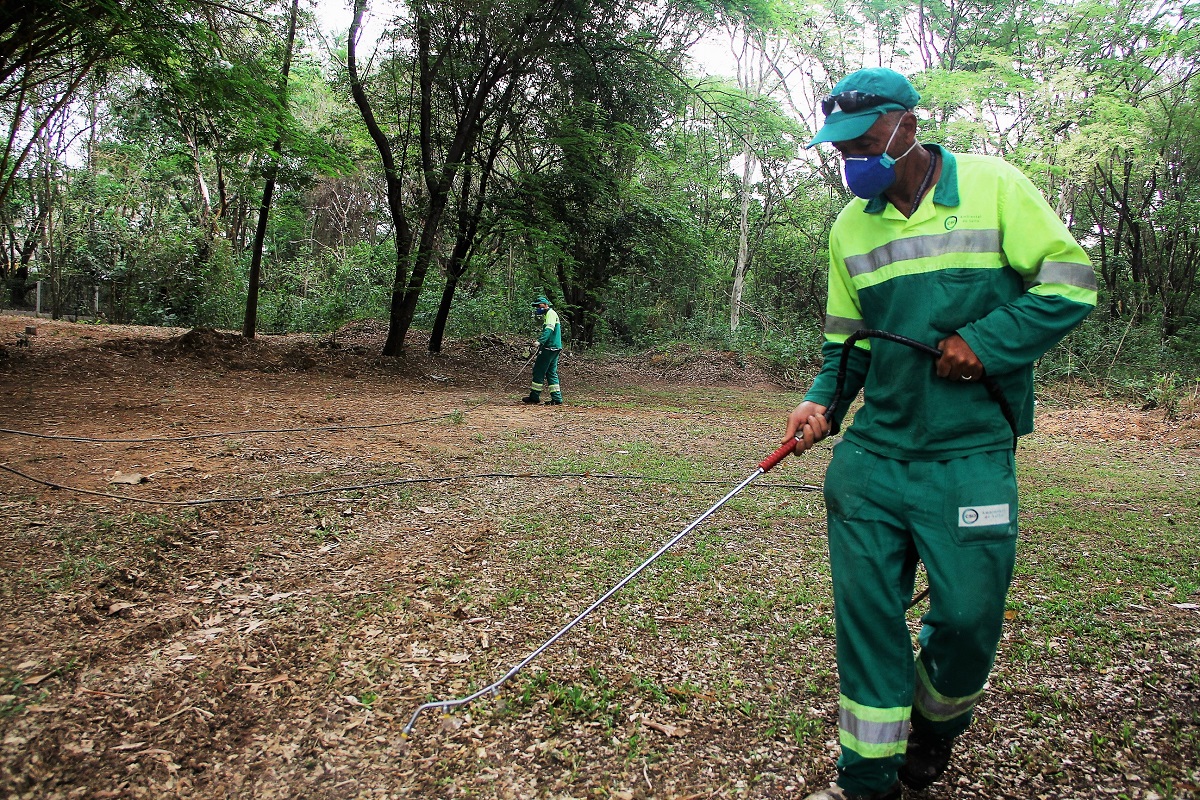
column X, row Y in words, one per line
column 285, row 590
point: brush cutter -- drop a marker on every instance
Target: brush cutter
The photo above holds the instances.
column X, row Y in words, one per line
column 764, row 466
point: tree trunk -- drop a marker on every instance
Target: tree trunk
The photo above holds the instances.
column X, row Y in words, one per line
column 468, row 225
column 395, row 188
column 438, row 183
column 443, row 314
column 250, row 323
column 743, row 255
column 202, row 192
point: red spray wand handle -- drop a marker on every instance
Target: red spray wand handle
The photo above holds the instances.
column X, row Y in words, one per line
column 783, row 452
column 789, row 447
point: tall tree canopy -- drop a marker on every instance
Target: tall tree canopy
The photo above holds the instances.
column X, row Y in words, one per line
column 470, row 155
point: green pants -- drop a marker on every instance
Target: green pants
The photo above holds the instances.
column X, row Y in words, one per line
column 545, row 374
column 959, row 517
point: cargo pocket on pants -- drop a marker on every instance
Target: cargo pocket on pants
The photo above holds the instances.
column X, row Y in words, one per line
column 981, row 507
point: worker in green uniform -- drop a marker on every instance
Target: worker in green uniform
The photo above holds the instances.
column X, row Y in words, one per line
column 960, row 252
column 545, row 366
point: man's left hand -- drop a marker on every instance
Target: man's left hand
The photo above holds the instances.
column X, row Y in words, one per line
column 958, row 361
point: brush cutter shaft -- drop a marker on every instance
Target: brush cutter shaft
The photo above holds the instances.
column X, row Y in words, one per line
column 446, row 705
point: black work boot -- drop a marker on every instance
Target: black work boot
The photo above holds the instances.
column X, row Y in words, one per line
column 926, row 760
column 532, row 398
column 835, row 792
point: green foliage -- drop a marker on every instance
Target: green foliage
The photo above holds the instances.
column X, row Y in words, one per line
column 1110, row 352
column 790, row 355
column 1165, row 392
column 325, row 293
column 615, row 187
column 156, row 270
column 478, row 311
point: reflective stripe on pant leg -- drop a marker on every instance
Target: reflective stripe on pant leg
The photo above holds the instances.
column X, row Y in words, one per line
column 873, row 563
column 935, row 706
column 967, row 537
column 552, row 372
column 872, row 732
column 541, row 365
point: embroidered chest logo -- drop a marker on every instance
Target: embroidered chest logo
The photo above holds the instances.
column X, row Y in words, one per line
column 951, row 223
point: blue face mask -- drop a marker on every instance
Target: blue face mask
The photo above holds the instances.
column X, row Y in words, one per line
column 540, row 312
column 871, row 176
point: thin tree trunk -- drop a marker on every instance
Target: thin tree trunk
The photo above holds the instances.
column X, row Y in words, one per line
column 250, row 322
column 743, row 256
column 395, row 189
column 439, row 324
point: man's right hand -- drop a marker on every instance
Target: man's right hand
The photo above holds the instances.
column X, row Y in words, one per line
column 806, row 425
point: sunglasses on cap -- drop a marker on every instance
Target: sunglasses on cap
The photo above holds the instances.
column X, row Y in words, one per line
column 851, row 101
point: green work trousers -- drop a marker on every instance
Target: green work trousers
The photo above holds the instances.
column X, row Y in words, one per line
column 959, row 517
column 545, row 374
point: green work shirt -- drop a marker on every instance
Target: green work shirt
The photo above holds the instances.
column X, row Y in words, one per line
column 983, row 255
column 551, row 335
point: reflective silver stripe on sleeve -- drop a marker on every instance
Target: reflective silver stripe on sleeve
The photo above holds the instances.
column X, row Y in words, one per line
column 929, row 246
column 1081, row 276
column 841, row 325
column 872, row 732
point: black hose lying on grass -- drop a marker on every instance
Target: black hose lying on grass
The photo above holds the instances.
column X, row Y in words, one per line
column 393, row 482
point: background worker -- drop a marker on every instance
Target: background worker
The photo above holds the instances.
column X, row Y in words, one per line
column 545, row 366
column 963, row 252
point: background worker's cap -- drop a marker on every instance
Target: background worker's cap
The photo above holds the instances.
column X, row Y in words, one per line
column 541, row 301
column 859, row 99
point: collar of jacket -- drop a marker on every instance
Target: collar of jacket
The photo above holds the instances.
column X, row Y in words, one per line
column 944, row 194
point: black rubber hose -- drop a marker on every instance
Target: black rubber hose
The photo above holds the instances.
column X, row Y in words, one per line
column 989, row 383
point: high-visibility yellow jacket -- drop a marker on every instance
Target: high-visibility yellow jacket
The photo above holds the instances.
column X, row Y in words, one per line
column 983, row 255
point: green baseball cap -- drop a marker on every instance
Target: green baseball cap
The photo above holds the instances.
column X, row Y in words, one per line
column 859, row 99
column 541, row 301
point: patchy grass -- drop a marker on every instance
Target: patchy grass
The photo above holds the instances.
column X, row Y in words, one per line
column 277, row 647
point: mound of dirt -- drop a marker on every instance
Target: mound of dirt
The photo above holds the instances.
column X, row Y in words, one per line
column 356, row 348
column 217, row 349
column 678, row 363
column 362, row 337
